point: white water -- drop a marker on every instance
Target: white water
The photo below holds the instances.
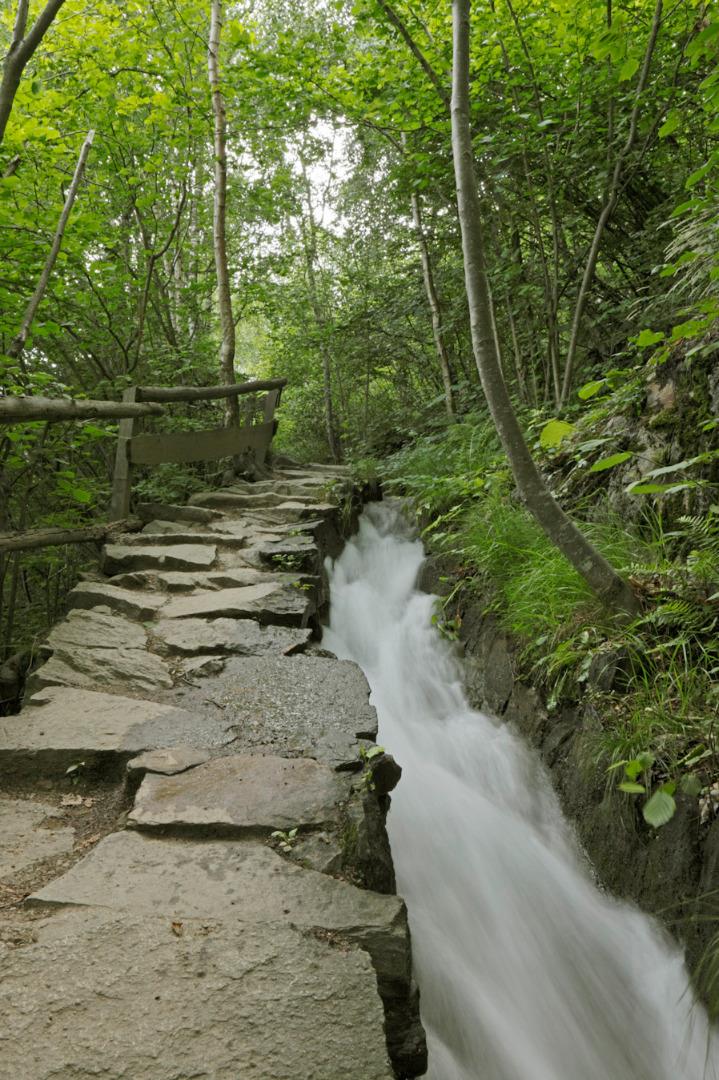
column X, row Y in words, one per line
column 527, row 971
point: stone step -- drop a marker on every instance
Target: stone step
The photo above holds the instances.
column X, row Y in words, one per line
column 119, row 558
column 168, row 512
column 142, row 997
column 28, row 835
column 60, row 726
column 243, row 637
column 142, row 606
column 307, row 706
column 270, row 603
column 242, row 880
column 97, row 648
column 241, row 795
column 170, row 581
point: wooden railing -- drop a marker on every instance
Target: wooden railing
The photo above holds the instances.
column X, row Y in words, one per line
column 210, row 444
column 135, row 448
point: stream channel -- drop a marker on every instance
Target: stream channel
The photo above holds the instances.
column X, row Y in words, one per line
column 527, row 970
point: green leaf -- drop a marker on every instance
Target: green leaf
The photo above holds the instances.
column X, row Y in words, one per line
column 647, row 338
column 670, row 125
column 554, row 432
column 590, row 389
column 628, row 68
column 660, row 809
column 631, row 787
column 690, row 785
column 611, row 461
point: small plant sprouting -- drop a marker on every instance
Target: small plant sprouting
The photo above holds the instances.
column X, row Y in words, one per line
column 284, row 840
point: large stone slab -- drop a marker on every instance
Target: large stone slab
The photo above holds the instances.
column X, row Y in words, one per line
column 96, row 648
column 128, row 669
column 61, row 726
column 292, row 706
column 138, row 998
column 117, row 558
column 97, row 628
column 23, row 840
column 243, row 637
column 268, row 602
column 130, row 602
column 242, row 879
column 190, row 580
column 169, row 762
column 245, row 793
column 291, row 512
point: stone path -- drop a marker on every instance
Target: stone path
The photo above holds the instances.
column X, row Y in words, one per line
column 151, row 925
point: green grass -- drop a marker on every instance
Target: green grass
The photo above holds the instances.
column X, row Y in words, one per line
column 667, row 695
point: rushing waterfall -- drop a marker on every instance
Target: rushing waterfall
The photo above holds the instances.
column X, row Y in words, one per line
column 527, row 971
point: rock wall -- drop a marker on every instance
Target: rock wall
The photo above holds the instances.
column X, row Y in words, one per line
column 671, row 873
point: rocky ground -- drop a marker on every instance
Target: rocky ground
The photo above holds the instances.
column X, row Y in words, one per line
column 152, row 927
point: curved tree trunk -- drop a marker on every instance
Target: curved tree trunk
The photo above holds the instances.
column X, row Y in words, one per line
column 224, row 297
column 609, row 586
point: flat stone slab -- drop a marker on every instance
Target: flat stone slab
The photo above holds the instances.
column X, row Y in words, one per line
column 188, row 580
column 241, row 879
column 245, row 793
column 128, row 669
column 171, row 512
column 268, row 602
column 243, row 637
column 169, row 762
column 291, row 512
column 299, row 705
column 117, row 558
column 97, row 648
column 62, row 725
column 23, row 840
column 97, row 628
column 131, row 602
column 141, row 998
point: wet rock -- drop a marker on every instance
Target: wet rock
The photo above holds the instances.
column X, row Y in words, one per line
column 241, row 794
column 168, row 762
column 118, row 558
column 385, row 773
column 366, row 854
column 148, row 998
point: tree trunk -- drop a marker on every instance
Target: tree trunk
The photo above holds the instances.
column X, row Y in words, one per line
column 20, row 52
column 609, row 586
column 18, row 344
column 611, row 199
column 224, row 298
column 433, row 301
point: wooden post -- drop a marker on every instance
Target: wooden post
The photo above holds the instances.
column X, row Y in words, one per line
column 122, row 478
column 272, row 400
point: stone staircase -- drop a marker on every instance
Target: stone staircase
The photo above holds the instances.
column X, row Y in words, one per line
column 151, row 925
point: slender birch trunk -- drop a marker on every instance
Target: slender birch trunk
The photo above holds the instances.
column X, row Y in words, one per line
column 224, row 297
column 18, row 344
column 609, row 586
column 433, row 301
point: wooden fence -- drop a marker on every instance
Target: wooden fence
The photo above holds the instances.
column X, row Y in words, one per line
column 143, row 448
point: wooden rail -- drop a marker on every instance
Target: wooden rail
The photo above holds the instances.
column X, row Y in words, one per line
column 144, row 449
column 207, row 445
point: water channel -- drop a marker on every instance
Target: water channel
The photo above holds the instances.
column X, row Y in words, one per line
column 527, row 970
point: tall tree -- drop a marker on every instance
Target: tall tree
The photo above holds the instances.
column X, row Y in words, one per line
column 609, row 586
column 224, row 297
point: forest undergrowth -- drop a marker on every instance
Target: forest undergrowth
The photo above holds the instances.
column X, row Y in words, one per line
column 652, row 680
